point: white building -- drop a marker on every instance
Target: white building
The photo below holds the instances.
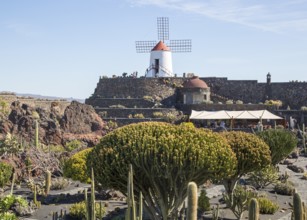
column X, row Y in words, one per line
column 160, row 62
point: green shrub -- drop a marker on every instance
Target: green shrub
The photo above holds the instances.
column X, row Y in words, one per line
column 203, row 201
column 304, row 108
column 54, row 148
column 8, row 216
column 239, row 200
column 5, row 173
column 72, row 145
column 184, row 154
column 148, row 98
column 117, row 106
column 75, row 167
column 157, row 115
column 78, row 210
column 8, row 201
column 138, row 115
column 281, row 143
column 188, row 124
column 59, row 183
column 284, row 188
column 266, row 206
column 264, row 177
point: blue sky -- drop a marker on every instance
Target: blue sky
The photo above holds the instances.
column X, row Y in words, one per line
column 61, row 47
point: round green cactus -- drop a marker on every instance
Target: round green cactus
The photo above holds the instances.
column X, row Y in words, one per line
column 165, row 159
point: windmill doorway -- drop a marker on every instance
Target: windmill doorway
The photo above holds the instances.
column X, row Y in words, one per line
column 156, row 68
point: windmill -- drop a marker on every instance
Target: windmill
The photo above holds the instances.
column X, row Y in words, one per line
column 160, row 64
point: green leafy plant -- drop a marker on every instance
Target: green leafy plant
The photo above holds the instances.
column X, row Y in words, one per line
column 75, row 167
column 138, row 115
column 8, row 216
column 5, row 173
column 9, row 200
column 10, row 145
column 157, row 115
column 281, row 143
column 203, row 201
column 72, row 145
column 264, row 177
column 78, row 210
column 181, row 152
column 284, row 188
column 239, row 200
column 252, row 154
column 266, row 206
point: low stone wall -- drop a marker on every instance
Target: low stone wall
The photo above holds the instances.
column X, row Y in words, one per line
column 125, row 112
column 126, row 121
column 127, row 102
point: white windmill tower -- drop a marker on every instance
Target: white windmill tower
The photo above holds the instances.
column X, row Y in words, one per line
column 160, row 64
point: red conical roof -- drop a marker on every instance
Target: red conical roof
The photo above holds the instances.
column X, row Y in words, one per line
column 160, row 46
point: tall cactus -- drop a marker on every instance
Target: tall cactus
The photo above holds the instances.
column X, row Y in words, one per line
column 13, row 182
column 131, row 210
column 140, row 214
column 304, row 140
column 297, row 207
column 93, row 213
column 253, row 210
column 36, row 134
column 47, row 182
column 87, row 213
column 192, row 201
column 35, row 195
column 216, row 212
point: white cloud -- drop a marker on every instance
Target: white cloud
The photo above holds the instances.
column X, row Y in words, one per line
column 276, row 16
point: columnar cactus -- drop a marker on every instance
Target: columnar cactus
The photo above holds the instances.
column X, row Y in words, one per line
column 140, row 215
column 87, row 213
column 34, row 195
column 36, row 134
column 93, row 213
column 131, row 210
column 304, row 140
column 216, row 212
column 297, row 207
column 12, row 183
column 253, row 210
column 47, row 182
column 192, row 201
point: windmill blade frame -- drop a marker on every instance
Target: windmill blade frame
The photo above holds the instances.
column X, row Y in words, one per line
column 144, row 46
column 180, row 46
column 163, row 28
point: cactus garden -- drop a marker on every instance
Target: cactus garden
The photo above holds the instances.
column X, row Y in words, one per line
column 155, row 170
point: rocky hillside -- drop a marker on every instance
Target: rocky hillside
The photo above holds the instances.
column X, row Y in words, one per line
column 79, row 121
